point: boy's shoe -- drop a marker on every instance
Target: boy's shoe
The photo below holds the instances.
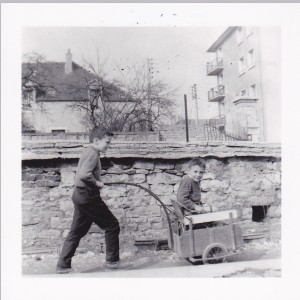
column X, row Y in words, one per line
column 118, row 265
column 61, row 270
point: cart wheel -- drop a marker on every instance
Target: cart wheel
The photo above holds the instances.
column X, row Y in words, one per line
column 213, row 254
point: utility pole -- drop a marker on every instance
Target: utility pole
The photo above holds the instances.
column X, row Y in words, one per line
column 149, row 79
column 186, row 120
column 195, row 97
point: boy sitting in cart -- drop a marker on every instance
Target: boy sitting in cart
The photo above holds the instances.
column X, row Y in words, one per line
column 189, row 193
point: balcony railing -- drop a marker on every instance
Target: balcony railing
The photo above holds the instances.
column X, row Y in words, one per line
column 215, row 67
column 216, row 94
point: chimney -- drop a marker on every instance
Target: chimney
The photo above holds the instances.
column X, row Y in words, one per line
column 68, row 64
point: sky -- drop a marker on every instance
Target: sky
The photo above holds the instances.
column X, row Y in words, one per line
column 179, row 54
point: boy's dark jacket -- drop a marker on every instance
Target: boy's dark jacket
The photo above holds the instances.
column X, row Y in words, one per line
column 189, row 192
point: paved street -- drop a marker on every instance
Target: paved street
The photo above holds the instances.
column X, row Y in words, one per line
column 257, row 259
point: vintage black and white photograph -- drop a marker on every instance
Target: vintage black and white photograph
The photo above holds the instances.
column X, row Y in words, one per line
column 186, row 123
column 150, row 150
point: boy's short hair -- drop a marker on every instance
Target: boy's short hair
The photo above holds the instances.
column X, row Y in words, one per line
column 197, row 162
column 99, row 132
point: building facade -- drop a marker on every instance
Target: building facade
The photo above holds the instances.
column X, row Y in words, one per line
column 57, row 97
column 247, row 91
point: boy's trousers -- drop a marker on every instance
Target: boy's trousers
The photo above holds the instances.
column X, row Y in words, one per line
column 89, row 208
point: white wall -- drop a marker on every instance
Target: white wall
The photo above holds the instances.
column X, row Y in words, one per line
column 270, row 72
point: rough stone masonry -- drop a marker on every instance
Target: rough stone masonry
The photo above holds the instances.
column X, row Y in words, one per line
column 238, row 175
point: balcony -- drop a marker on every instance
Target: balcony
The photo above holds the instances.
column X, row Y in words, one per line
column 214, row 67
column 216, row 94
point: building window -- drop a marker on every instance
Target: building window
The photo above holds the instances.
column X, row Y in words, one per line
column 253, row 90
column 241, row 65
column 56, row 132
column 239, row 35
column 250, row 58
column 51, row 92
column 243, row 92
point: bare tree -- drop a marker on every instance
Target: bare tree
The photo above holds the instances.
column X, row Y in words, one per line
column 33, row 86
column 133, row 103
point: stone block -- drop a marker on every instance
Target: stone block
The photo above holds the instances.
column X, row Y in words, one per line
column 28, row 184
column 115, row 178
column 161, row 178
column 29, row 219
column 131, row 172
column 143, row 227
column 115, row 170
column 154, row 210
column 215, row 185
column 67, row 178
column 46, row 183
column 49, row 234
column 113, row 191
column 155, row 220
column 137, row 178
column 182, row 166
column 162, row 189
column 216, row 167
column 208, row 175
column 136, row 191
column 30, row 232
column 142, row 164
column 36, row 194
column 246, row 213
column 33, row 170
column 53, row 212
column 274, row 211
column 173, row 172
column 60, row 223
column 67, row 207
column 141, row 171
column 157, row 225
column 133, row 212
column 132, row 227
column 29, row 177
column 60, row 193
column 167, row 199
column 112, row 203
column 164, row 165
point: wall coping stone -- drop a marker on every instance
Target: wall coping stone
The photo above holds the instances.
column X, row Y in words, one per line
column 43, row 150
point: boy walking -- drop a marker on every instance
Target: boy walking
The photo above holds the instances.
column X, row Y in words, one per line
column 89, row 207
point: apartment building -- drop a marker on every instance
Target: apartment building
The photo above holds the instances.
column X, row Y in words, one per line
column 248, row 87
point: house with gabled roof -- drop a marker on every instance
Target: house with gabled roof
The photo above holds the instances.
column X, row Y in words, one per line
column 51, row 90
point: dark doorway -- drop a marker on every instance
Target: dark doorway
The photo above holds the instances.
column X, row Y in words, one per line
column 259, row 212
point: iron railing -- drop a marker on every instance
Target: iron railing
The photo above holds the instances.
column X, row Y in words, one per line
column 215, row 130
column 218, row 91
column 216, row 64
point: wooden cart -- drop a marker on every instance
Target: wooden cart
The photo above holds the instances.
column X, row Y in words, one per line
column 209, row 237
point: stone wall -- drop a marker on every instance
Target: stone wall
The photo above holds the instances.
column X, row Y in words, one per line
column 237, row 176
